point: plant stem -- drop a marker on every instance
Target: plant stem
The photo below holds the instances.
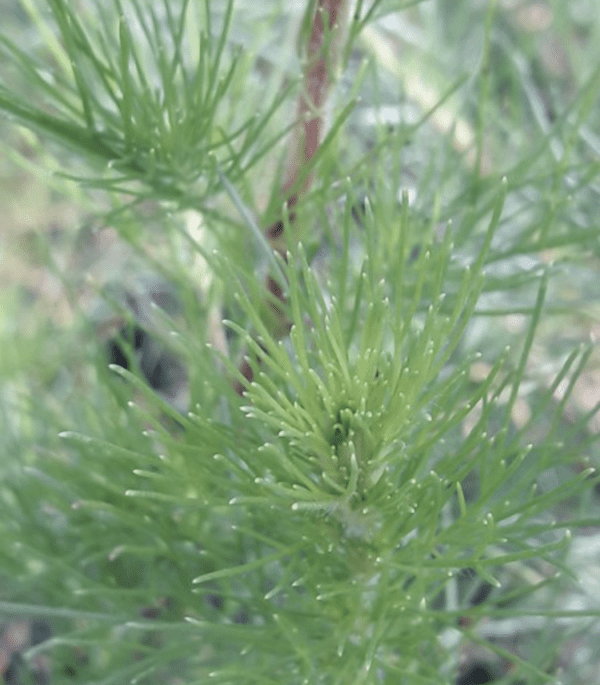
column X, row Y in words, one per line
column 324, row 48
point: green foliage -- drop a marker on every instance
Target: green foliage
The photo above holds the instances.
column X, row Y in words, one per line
column 333, row 523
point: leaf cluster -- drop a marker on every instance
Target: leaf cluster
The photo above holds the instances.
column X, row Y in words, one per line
column 334, row 523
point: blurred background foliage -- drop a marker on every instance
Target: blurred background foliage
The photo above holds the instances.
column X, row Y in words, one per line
column 464, row 111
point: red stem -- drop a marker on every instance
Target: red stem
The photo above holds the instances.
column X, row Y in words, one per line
column 320, row 62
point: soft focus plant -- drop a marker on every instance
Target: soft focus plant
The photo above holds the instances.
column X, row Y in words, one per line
column 351, row 462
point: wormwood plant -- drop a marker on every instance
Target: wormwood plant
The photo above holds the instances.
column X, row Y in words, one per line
column 366, row 470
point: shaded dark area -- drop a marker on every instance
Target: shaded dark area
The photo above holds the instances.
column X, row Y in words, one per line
column 477, row 594
column 137, row 348
column 16, row 638
column 116, row 347
column 477, row 673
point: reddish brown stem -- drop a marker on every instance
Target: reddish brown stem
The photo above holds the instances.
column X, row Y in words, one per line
column 323, row 45
column 321, row 59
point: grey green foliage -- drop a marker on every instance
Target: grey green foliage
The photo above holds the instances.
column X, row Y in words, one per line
column 334, row 523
